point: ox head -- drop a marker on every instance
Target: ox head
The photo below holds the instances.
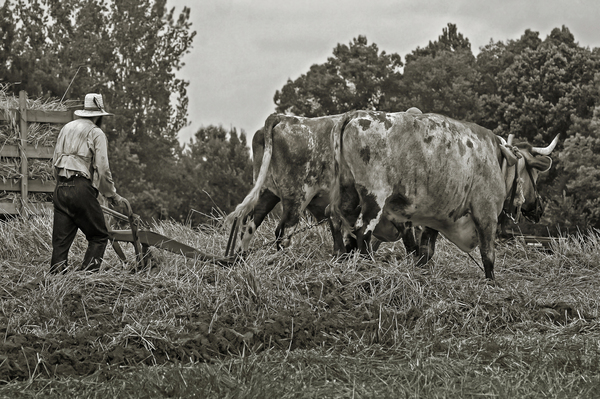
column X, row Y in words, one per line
column 523, row 196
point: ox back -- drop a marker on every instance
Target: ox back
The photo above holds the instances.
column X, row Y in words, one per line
column 426, row 169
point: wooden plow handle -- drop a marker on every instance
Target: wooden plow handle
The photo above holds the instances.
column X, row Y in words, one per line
column 232, row 238
column 133, row 223
column 137, row 246
column 139, row 238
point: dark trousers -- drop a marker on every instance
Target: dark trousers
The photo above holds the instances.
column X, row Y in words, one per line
column 76, row 206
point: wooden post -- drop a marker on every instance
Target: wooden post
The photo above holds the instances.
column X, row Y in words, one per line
column 24, row 127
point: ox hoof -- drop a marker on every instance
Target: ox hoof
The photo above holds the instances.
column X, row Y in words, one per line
column 492, row 283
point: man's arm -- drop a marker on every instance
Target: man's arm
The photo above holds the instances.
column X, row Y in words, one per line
column 103, row 178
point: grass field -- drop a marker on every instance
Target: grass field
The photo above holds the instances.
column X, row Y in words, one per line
column 299, row 323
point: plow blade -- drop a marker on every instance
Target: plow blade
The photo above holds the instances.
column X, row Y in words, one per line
column 542, row 243
column 150, row 238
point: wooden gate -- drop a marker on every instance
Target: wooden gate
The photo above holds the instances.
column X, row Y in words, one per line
column 24, row 151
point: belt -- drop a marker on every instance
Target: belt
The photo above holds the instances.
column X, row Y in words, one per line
column 69, row 182
column 67, row 179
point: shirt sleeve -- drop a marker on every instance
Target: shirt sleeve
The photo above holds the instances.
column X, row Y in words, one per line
column 102, row 180
column 58, row 148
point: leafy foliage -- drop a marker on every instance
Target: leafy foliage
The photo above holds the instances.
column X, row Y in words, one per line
column 580, row 163
column 358, row 76
column 441, row 77
column 451, row 40
column 538, row 89
column 216, row 174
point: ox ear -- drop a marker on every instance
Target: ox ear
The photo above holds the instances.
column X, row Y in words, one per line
column 510, row 157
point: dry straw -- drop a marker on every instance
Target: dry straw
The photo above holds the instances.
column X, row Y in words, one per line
column 38, row 135
column 374, row 327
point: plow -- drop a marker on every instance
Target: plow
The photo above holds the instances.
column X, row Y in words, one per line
column 142, row 239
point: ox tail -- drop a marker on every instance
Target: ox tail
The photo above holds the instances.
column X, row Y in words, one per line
column 246, row 206
column 338, row 176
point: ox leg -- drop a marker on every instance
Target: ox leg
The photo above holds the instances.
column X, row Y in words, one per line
column 364, row 237
column 279, row 231
column 375, row 244
column 289, row 218
column 363, row 240
column 263, row 207
column 349, row 207
column 407, row 232
column 342, row 242
column 369, row 213
column 486, row 226
column 488, row 256
column 487, row 236
column 426, row 245
column 335, row 225
column 318, row 206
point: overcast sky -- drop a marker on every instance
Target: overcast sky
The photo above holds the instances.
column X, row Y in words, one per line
column 245, row 50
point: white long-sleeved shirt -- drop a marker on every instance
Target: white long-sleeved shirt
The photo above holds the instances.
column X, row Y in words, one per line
column 82, row 148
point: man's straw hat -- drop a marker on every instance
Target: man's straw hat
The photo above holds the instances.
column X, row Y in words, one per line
column 93, row 105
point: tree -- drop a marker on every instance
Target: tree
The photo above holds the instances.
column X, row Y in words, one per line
column 152, row 44
column 358, row 76
column 493, row 59
column 7, row 36
column 578, row 204
column 437, row 78
column 441, row 77
column 537, row 86
column 215, row 173
column 537, row 89
column 451, row 40
column 127, row 50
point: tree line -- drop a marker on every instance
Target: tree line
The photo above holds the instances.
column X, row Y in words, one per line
column 130, row 51
column 531, row 87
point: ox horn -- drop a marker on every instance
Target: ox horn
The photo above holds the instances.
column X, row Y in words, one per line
column 545, row 150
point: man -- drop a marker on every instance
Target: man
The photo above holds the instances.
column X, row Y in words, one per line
column 81, row 170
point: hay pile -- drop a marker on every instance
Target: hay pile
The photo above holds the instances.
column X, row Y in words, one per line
column 38, row 135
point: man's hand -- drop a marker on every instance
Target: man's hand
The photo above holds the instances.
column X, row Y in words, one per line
column 116, row 200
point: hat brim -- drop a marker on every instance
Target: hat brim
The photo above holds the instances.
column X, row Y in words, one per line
column 84, row 113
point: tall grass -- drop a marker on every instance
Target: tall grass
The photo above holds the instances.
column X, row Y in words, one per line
column 301, row 323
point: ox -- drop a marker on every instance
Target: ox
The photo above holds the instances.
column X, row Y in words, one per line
column 391, row 168
column 292, row 160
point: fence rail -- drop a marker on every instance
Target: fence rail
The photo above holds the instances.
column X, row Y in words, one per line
column 24, row 152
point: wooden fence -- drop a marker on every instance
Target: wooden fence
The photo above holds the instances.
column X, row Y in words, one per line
column 25, row 151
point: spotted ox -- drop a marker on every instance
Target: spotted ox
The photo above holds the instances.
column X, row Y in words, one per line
column 433, row 171
column 292, row 162
column 410, row 234
column 292, row 159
